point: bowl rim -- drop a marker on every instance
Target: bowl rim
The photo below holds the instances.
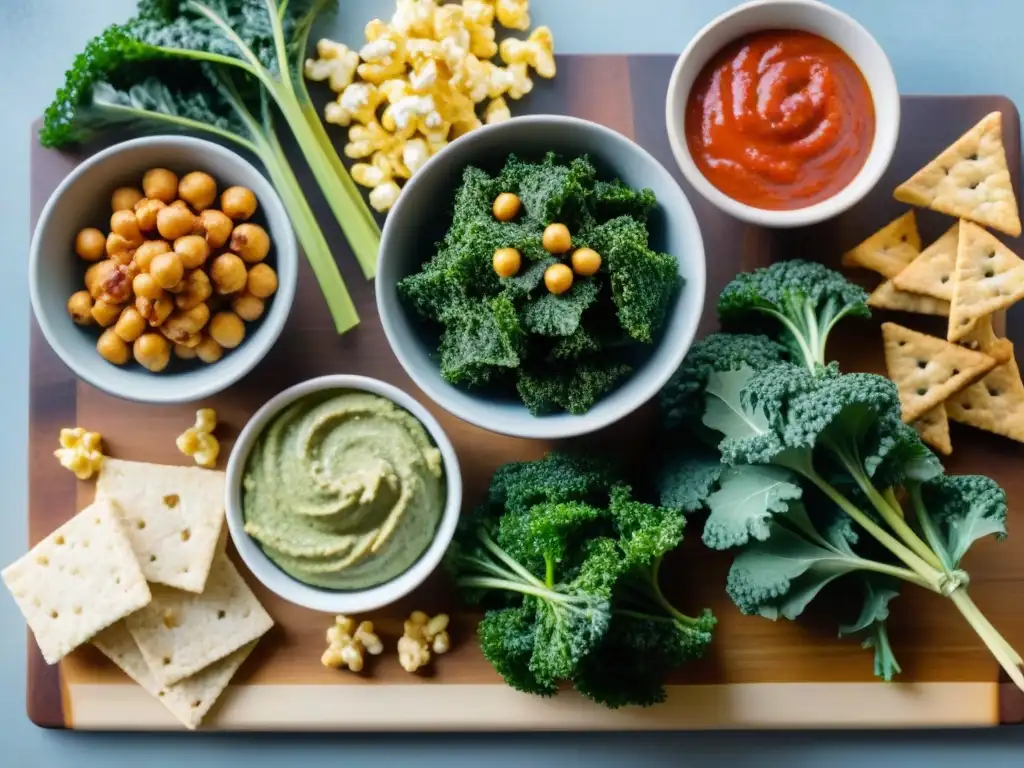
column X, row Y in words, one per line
column 884, row 90
column 276, row 316
column 562, row 426
column 317, row 598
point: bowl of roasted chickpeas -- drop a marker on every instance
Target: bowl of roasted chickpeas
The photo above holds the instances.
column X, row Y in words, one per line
column 163, row 269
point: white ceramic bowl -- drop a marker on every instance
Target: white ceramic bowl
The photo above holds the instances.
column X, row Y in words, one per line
column 317, row 598
column 808, row 16
column 423, row 213
column 83, row 199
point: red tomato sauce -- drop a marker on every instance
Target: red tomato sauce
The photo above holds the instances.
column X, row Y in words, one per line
column 780, row 119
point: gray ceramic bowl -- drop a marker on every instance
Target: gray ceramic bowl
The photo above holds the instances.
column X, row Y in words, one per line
column 55, row 272
column 422, row 215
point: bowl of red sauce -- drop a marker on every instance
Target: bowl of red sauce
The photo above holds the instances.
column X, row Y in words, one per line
column 783, row 113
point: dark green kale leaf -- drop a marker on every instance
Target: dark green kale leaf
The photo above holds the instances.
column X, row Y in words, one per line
column 482, row 338
column 550, row 191
column 611, row 199
column 574, row 389
column 579, row 343
column 559, row 315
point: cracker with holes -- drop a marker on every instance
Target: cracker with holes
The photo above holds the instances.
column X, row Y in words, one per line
column 931, row 273
column 173, row 516
column 989, row 277
column 188, row 700
column 180, row 633
column 890, row 249
column 994, row 404
column 888, row 296
column 927, row 370
column 982, row 338
column 933, row 427
column 80, row 579
column 969, row 179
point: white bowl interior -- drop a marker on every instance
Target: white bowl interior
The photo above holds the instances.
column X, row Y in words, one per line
column 83, row 199
column 317, row 598
column 808, row 16
column 423, row 214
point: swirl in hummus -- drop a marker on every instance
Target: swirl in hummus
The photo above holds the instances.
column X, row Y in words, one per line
column 343, row 490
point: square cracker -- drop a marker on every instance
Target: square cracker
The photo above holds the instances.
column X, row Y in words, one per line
column 180, row 633
column 173, row 517
column 889, row 249
column 983, row 339
column 933, row 427
column 994, row 404
column 80, row 579
column 989, row 277
column 926, row 370
column 969, row 179
column 188, row 700
column 888, row 296
column 932, row 272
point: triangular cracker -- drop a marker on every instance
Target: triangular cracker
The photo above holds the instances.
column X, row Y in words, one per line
column 931, row 273
column 983, row 339
column 926, row 369
column 989, row 277
column 994, row 404
column 888, row 296
column 933, row 427
column 890, row 249
column 969, row 179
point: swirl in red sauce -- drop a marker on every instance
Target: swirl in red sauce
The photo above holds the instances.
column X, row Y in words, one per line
column 780, row 120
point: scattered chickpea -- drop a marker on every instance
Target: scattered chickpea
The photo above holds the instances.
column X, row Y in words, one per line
column 119, row 248
column 261, row 281
column 167, row 269
column 125, row 199
column 251, row 242
column 112, row 347
column 239, row 203
column 215, row 226
column 586, row 261
column 209, row 351
column 181, row 325
column 184, row 352
column 126, row 225
column 145, row 286
column 197, row 290
column 146, row 212
column 80, row 308
column 506, row 262
column 227, row 272
column 193, row 251
column 130, row 324
column 97, row 274
column 227, row 329
column 506, row 206
column 116, row 287
column 558, row 278
column 152, row 351
column 90, row 244
column 556, row 239
column 174, row 221
column 104, row 313
column 155, row 310
column 198, row 189
column 144, row 253
column 160, row 184
column 247, row 306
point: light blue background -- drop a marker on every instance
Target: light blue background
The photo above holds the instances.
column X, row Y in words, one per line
column 936, row 46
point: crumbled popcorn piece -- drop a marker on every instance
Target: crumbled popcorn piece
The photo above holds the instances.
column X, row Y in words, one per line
column 347, row 644
column 336, row 63
column 537, row 51
column 80, row 451
column 513, row 14
column 364, row 140
column 356, row 104
column 415, row 153
column 421, row 637
column 520, row 83
column 414, row 18
column 198, row 441
column 382, row 198
column 497, row 111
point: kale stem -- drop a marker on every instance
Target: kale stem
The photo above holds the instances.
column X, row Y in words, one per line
column 279, row 46
column 896, row 572
column 890, row 497
column 1007, row 657
column 798, row 337
column 489, row 567
column 549, row 572
column 928, row 527
column 511, row 563
column 256, row 65
column 486, row 582
column 816, row 341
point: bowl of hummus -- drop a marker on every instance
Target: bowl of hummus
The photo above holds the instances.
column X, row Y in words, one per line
column 343, row 493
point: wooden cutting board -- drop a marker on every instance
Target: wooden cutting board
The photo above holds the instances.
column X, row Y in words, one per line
column 758, row 673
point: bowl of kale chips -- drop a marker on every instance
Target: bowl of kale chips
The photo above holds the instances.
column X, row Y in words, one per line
column 541, row 277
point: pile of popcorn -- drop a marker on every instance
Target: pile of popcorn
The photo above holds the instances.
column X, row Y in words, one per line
column 418, row 81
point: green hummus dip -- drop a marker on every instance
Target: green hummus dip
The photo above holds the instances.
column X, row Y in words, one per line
column 343, row 490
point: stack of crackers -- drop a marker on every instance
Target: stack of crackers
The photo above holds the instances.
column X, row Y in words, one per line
column 968, row 276
column 141, row 573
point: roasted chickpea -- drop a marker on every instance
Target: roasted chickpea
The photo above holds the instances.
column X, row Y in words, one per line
column 185, row 352
column 227, row 272
column 146, row 211
column 130, row 324
column 146, row 287
column 97, row 274
column 90, row 244
column 182, row 326
column 558, row 278
column 119, row 248
column 174, row 221
column 215, row 226
column 112, row 347
column 152, row 351
column 144, row 253
column 104, row 314
column 116, row 286
column 80, row 307
column 167, row 269
column 506, row 262
column 197, row 290
column 160, row 184
column 126, row 225
column 556, row 239
column 262, row 281
column 193, row 251
column 251, row 242
column 155, row 311
column 198, row 189
column 506, row 206
column 227, row 329
column 209, row 351
column 247, row 307
column 239, row 203
column 586, row 261
column 124, row 199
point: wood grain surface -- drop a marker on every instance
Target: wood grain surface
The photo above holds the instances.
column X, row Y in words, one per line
column 932, row 642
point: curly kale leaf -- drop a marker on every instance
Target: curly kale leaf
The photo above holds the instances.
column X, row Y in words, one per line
column 546, row 532
column 962, row 509
column 688, row 478
column 646, row 532
column 579, row 343
column 870, row 624
column 743, row 506
column 611, row 199
column 558, row 477
column 481, row 338
column 550, row 190
column 559, row 315
column 507, row 638
column 574, row 389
